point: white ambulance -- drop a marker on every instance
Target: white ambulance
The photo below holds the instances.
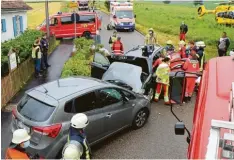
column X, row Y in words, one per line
column 122, row 16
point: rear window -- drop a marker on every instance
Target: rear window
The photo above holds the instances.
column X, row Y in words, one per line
column 34, row 110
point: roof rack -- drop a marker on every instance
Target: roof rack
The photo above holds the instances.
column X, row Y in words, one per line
column 225, row 142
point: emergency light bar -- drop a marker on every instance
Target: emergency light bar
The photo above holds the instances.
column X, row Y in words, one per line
column 121, row 4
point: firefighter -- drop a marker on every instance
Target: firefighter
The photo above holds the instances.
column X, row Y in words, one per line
column 191, row 65
column 169, row 46
column 201, row 53
column 19, row 143
column 44, row 49
column 36, row 55
column 182, row 49
column 183, row 31
column 117, row 47
column 150, row 38
column 162, row 79
column 113, row 38
column 77, row 137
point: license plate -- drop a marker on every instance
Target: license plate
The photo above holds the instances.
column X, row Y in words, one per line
column 22, row 126
column 126, row 28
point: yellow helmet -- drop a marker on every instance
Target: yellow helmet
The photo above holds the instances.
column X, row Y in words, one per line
column 169, row 42
column 182, row 43
column 151, row 29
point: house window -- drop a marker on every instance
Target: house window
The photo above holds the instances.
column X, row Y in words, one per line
column 18, row 25
column 3, row 22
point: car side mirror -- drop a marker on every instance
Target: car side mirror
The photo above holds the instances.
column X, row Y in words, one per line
column 134, row 16
column 114, row 16
column 179, row 128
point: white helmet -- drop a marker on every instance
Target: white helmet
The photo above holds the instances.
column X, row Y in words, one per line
column 71, row 152
column 19, row 136
column 79, row 121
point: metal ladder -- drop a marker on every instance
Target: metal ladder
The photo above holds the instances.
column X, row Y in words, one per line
column 225, row 143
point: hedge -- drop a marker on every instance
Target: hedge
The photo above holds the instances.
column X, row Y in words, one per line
column 22, row 45
column 79, row 64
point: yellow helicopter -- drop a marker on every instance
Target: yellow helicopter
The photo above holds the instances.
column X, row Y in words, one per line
column 224, row 13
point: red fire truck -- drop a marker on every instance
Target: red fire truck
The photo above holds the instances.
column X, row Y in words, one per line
column 62, row 26
column 212, row 135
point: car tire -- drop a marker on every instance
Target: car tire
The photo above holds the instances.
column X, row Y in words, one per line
column 87, row 35
column 140, row 118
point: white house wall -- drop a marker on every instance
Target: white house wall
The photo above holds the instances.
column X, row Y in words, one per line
column 9, row 34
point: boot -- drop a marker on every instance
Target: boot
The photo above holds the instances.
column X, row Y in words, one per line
column 167, row 103
column 185, row 99
column 189, row 99
column 155, row 100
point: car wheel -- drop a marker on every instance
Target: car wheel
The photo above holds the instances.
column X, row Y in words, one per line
column 86, row 35
column 140, row 118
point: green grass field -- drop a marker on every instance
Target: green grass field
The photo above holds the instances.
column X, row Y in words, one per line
column 37, row 15
column 166, row 19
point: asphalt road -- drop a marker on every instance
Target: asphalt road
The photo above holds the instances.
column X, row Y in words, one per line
column 155, row 140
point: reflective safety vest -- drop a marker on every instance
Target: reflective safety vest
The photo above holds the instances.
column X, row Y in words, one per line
column 162, row 73
column 150, row 40
column 34, row 52
column 117, row 47
column 13, row 153
column 83, row 141
column 191, row 66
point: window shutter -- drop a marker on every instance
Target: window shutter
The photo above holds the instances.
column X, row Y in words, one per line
column 3, row 25
column 21, row 24
column 14, row 26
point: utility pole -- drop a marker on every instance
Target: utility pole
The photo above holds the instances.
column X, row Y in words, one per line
column 47, row 18
column 75, row 21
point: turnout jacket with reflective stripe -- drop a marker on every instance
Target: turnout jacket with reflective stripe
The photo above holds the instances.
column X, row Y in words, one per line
column 117, row 47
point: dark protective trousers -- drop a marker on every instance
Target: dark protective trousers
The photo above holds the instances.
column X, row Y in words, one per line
column 222, row 53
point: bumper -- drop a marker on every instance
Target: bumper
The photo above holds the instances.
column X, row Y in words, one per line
column 125, row 27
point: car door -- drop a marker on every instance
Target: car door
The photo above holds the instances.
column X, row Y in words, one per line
column 116, row 109
column 99, row 65
column 67, row 27
column 177, row 84
column 87, row 103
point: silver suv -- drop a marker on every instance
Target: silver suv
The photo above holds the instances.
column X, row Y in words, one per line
column 45, row 112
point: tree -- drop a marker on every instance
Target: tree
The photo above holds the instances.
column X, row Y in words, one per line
column 167, row 2
column 107, row 4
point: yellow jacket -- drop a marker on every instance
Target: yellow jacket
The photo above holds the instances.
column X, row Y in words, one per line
column 162, row 73
column 150, row 40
